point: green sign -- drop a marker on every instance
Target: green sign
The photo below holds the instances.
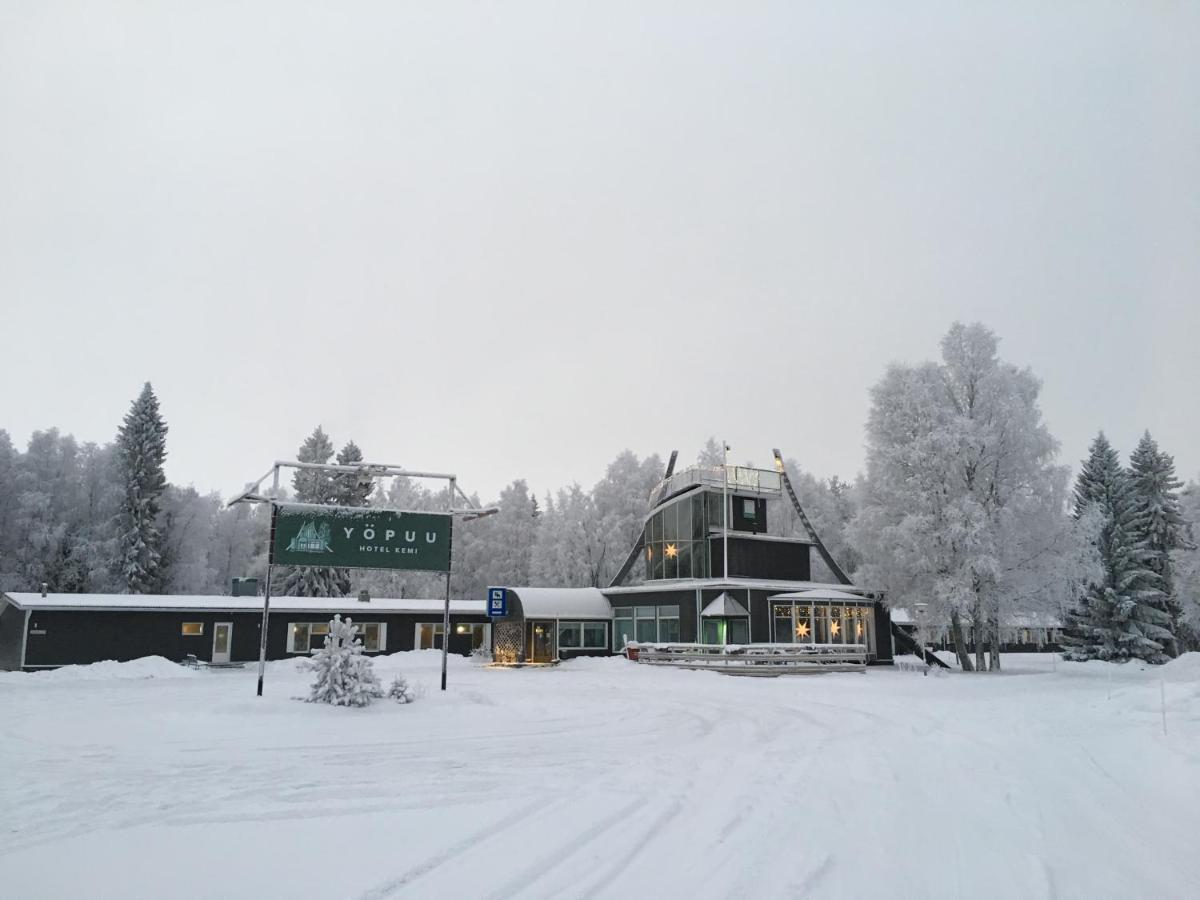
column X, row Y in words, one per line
column 356, row 538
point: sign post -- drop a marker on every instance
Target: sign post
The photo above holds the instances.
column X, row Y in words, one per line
column 446, row 611
column 351, row 537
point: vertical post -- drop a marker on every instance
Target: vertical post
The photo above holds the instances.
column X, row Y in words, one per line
column 446, row 610
column 725, row 502
column 262, row 638
column 262, row 643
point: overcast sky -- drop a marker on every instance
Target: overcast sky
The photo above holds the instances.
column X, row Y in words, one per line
column 510, row 240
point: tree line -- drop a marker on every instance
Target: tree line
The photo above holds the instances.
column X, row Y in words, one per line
column 964, row 515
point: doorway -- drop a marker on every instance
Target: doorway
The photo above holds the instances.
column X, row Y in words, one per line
column 541, row 642
column 222, row 641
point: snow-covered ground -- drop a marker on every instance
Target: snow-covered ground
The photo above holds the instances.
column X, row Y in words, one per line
column 601, row 778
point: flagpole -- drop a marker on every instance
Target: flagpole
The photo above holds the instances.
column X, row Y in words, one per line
column 725, row 499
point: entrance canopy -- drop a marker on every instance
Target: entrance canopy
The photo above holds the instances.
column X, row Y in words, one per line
column 724, row 606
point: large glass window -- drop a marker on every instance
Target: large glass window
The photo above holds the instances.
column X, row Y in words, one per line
column 595, row 635
column 646, row 625
column 783, row 623
column 570, row 635
column 668, row 624
column 622, row 626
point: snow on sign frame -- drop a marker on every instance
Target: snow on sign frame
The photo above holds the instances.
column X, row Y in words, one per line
column 355, row 538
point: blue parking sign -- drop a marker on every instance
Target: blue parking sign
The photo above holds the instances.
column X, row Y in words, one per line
column 497, row 604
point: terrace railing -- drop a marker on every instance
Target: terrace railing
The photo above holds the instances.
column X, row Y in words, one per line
column 755, row 659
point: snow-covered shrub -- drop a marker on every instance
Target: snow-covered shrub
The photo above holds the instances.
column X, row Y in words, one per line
column 400, row 690
column 345, row 677
column 481, row 655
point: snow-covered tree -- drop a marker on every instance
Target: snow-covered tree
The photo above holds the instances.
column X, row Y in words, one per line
column 1186, row 568
column 498, row 549
column 344, row 674
column 713, row 453
column 570, row 549
column 955, row 452
column 1122, row 614
column 620, row 500
column 1158, row 519
column 142, row 449
column 188, row 520
column 314, row 486
column 400, row 690
column 349, row 490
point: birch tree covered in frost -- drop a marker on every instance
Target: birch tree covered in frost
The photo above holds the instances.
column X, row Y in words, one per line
column 963, row 509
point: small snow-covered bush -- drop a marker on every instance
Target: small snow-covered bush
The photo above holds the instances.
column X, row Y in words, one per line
column 400, row 690
column 481, row 655
column 345, row 677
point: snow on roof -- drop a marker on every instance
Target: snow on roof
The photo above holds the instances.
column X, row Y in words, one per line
column 819, row 594
column 902, row 616
column 219, row 602
column 724, row 605
column 563, row 603
column 759, row 584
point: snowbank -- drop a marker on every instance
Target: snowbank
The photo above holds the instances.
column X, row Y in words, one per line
column 1186, row 668
column 146, row 667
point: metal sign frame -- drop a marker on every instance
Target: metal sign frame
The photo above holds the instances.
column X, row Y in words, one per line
column 365, row 473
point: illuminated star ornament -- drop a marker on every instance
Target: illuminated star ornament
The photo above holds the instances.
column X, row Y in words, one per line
column 835, row 627
column 802, row 630
column 671, row 551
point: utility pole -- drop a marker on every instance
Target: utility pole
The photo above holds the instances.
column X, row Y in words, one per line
column 725, row 500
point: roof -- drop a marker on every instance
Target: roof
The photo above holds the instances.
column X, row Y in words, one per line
column 235, row 604
column 758, row 584
column 819, row 594
column 724, row 605
column 903, row 616
column 563, row 603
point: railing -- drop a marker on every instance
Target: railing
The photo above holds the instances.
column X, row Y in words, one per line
column 743, row 478
column 755, row 659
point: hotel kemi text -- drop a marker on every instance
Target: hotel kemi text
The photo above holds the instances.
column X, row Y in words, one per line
column 369, row 534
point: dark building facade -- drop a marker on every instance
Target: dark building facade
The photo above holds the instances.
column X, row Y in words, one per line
column 713, row 575
column 46, row 631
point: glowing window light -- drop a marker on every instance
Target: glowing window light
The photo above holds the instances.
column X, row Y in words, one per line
column 671, row 551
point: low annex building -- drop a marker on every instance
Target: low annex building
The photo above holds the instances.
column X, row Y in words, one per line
column 43, row 631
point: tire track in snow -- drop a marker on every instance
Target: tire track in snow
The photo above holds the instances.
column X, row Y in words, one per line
column 493, row 829
column 560, row 855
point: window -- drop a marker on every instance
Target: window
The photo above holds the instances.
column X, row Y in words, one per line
column 192, row 629
column 748, row 509
column 429, row 635
column 622, row 626
column 645, row 625
column 570, row 635
column 582, row 636
column 595, row 635
column 308, row 637
column 668, row 624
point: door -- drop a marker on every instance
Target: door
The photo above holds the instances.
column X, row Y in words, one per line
column 222, row 639
column 541, row 644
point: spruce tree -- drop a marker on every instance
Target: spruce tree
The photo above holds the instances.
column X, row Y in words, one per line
column 345, row 677
column 1158, row 520
column 141, row 449
column 349, row 489
column 1123, row 616
column 314, row 486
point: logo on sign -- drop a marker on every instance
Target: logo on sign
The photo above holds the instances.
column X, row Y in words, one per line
column 497, row 601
